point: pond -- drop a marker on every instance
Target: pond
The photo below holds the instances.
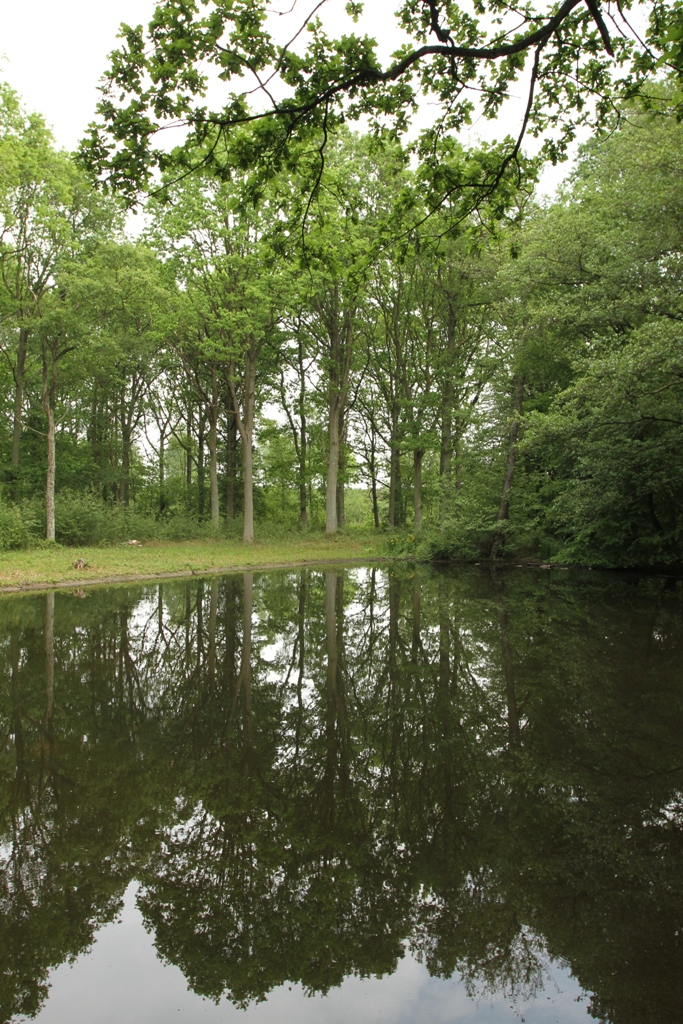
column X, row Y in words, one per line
column 344, row 794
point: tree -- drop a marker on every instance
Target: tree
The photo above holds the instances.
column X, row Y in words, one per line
column 160, row 76
column 221, row 256
column 48, row 213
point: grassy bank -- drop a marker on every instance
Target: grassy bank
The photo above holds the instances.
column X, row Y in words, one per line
column 56, row 564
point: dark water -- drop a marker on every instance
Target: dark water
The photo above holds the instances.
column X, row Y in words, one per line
column 344, row 796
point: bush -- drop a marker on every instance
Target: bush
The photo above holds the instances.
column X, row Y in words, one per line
column 14, row 529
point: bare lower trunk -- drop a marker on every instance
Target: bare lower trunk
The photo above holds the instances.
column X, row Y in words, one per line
column 125, row 464
column 162, row 445
column 231, row 446
column 213, row 464
column 248, row 469
column 50, row 479
column 418, row 455
column 245, row 425
column 504, row 510
column 395, row 516
column 334, row 442
column 200, row 464
column 18, row 409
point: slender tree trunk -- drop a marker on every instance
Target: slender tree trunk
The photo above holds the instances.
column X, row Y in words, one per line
column 334, row 442
column 504, row 510
column 418, row 456
column 48, row 406
column 303, row 442
column 245, row 425
column 248, row 445
column 50, row 480
column 125, row 459
column 18, row 409
column 162, row 441
column 213, row 452
column 230, row 465
column 200, row 464
column 303, row 507
column 188, row 453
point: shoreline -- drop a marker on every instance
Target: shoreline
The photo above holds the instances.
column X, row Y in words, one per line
column 224, row 570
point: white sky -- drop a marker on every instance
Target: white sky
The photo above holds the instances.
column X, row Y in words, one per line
column 54, row 54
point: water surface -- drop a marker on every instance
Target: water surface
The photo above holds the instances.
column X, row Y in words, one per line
column 349, row 795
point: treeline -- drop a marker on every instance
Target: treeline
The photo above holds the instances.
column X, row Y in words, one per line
column 504, row 380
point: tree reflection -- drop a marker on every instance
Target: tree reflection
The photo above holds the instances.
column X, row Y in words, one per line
column 309, row 772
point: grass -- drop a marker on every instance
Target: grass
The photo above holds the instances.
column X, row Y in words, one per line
column 55, row 564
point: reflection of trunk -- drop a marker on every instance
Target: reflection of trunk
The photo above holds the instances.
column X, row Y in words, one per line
column 245, row 665
column 444, row 640
column 504, row 509
column 300, row 639
column 336, row 709
column 49, row 654
column 508, row 663
column 16, row 699
column 213, row 451
column 394, row 607
column 213, row 612
column 417, row 619
column 18, row 408
column 418, row 455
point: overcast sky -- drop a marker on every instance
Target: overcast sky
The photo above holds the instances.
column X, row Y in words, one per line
column 54, row 54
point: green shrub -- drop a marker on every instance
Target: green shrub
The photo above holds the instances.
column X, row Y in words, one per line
column 14, row 530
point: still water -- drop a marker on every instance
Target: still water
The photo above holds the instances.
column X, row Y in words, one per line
column 352, row 795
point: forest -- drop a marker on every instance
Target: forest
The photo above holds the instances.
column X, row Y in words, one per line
column 501, row 379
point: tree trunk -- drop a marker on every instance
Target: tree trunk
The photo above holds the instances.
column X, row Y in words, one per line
column 303, row 511
column 230, row 465
column 200, row 464
column 504, row 510
column 125, row 460
column 334, row 442
column 50, row 480
column 162, row 441
column 394, row 476
column 213, row 453
column 418, row 455
column 48, row 393
column 18, row 409
column 245, row 425
column 188, row 464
